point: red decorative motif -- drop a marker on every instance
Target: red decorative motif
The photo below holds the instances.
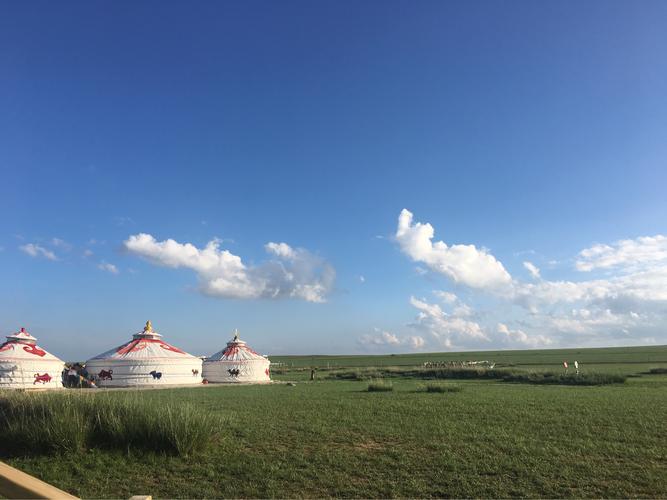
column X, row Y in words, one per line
column 7, row 346
column 44, row 379
column 171, row 348
column 135, row 345
column 33, row 349
column 230, row 351
column 267, row 372
column 139, row 344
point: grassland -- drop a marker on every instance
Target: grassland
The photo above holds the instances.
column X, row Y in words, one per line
column 335, row 438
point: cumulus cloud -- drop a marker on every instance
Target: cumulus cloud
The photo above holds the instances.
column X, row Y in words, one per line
column 647, row 286
column 464, row 264
column 450, row 329
column 519, row 338
column 282, row 250
column 634, row 253
column 383, row 338
column 627, row 304
column 532, row 269
column 416, row 342
column 35, row 250
column 293, row 272
column 380, row 338
column 110, row 268
column 446, row 297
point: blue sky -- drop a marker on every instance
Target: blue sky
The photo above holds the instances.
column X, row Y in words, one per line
column 520, row 131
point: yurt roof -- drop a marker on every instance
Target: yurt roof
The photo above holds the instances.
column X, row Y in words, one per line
column 23, row 346
column 146, row 344
column 236, row 350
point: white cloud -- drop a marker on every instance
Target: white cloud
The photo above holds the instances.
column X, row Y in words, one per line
column 282, row 250
column 386, row 339
column 465, row 264
column 520, row 338
column 60, row 243
column 35, row 250
column 294, row 273
column 445, row 297
column 380, row 338
column 450, row 330
column 646, row 286
column 633, row 254
column 110, row 268
column 362, row 279
column 416, row 342
column 88, row 252
column 627, row 305
column 532, row 269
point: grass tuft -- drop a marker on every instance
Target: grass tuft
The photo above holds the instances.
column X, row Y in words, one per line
column 380, row 386
column 657, row 371
column 70, row 423
column 439, row 387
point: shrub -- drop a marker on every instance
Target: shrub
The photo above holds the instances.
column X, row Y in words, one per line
column 590, row 378
column 360, row 374
column 472, row 373
column 657, row 371
column 438, row 387
column 380, row 386
column 65, row 422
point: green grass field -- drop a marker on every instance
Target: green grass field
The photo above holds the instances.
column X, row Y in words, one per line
column 335, row 438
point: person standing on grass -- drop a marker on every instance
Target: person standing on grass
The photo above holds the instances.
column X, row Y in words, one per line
column 565, row 366
column 72, row 377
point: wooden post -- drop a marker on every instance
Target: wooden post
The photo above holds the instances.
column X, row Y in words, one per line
column 17, row 484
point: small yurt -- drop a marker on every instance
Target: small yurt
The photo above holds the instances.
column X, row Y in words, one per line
column 237, row 363
column 25, row 365
column 146, row 360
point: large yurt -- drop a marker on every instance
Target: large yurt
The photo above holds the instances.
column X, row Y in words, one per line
column 146, row 360
column 237, row 363
column 25, row 365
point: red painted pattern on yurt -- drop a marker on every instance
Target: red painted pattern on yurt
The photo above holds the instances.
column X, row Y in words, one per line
column 23, row 364
column 145, row 360
column 237, row 363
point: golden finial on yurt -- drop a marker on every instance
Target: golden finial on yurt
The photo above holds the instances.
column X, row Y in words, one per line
column 149, row 327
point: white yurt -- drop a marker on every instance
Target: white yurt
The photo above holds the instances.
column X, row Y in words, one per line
column 146, row 360
column 237, row 363
column 25, row 365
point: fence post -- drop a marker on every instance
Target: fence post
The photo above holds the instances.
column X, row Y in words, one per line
column 17, row 484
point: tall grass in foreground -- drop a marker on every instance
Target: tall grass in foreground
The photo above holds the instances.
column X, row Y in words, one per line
column 380, row 386
column 66, row 422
